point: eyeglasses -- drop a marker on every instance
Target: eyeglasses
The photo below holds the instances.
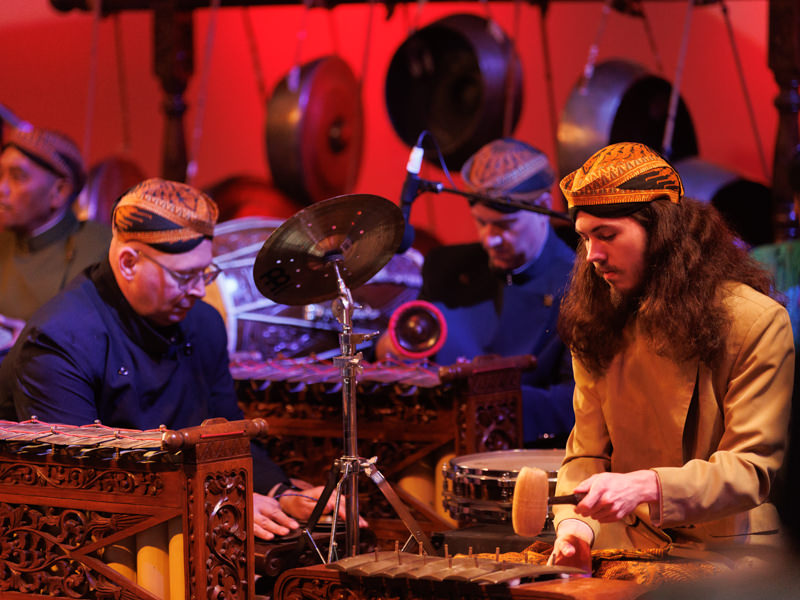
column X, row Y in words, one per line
column 186, row 281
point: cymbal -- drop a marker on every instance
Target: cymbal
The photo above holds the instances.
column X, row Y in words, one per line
column 359, row 231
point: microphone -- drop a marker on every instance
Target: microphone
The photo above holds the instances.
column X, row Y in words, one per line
column 409, row 193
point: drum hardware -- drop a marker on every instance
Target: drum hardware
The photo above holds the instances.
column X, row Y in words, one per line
column 320, row 253
column 482, row 487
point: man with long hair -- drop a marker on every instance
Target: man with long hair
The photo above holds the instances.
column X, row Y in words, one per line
column 683, row 367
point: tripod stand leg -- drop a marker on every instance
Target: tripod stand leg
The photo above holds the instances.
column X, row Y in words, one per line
column 402, row 511
column 319, row 507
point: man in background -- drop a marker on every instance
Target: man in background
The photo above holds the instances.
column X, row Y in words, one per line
column 501, row 295
column 42, row 243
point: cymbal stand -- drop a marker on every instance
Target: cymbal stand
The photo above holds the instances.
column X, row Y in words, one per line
column 348, row 467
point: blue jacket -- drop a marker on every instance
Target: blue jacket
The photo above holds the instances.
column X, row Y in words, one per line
column 489, row 312
column 86, row 355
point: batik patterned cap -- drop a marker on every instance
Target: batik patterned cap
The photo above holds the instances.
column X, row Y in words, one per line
column 50, row 149
column 619, row 179
column 169, row 216
column 511, row 168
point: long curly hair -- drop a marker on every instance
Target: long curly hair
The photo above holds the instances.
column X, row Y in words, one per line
column 690, row 252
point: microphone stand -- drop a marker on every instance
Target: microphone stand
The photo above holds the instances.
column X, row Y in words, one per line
column 424, row 185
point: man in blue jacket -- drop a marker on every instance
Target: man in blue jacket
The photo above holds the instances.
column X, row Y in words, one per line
column 131, row 344
column 501, row 295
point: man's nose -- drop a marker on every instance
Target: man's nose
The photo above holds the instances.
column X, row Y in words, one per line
column 594, row 252
column 197, row 288
column 493, row 240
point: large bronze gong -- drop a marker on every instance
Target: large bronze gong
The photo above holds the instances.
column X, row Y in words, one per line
column 453, row 78
column 746, row 205
column 622, row 102
column 315, row 131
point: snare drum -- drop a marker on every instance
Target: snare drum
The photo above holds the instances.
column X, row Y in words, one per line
column 480, row 487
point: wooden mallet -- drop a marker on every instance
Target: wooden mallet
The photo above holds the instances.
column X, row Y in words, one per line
column 530, row 501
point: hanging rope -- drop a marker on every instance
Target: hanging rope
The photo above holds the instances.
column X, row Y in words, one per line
column 197, row 130
column 652, row 41
column 367, row 44
column 252, row 45
column 675, row 94
column 332, row 32
column 293, row 79
column 90, row 95
column 417, row 16
column 548, row 75
column 591, row 60
column 745, row 93
column 511, row 84
column 122, row 83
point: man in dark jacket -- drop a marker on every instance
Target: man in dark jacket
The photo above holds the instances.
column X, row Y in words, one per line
column 131, row 344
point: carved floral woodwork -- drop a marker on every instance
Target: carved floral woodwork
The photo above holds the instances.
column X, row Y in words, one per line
column 62, row 506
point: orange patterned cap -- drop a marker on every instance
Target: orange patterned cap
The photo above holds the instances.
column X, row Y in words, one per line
column 619, row 178
column 170, row 216
column 50, row 149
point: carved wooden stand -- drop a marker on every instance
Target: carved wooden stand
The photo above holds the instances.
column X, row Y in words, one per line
column 62, row 507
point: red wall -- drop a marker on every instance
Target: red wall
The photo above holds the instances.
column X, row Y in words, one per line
column 45, row 67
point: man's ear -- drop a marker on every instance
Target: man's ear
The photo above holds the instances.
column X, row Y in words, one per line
column 127, row 260
column 61, row 192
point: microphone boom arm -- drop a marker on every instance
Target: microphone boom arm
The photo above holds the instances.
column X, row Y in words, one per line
column 435, row 187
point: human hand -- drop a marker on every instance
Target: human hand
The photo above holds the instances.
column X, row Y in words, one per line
column 613, row 496
column 573, row 546
column 300, row 503
column 269, row 519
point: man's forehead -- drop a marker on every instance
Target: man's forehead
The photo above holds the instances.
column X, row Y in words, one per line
column 586, row 223
column 486, row 214
column 12, row 157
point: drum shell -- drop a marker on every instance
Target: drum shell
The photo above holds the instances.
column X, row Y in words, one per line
column 480, row 487
column 622, row 102
column 455, row 78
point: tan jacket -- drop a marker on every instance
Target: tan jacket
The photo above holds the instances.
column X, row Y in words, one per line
column 716, row 456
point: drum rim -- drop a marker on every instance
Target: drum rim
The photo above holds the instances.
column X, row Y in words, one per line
column 458, row 468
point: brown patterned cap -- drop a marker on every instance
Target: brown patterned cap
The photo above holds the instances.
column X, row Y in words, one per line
column 509, row 168
column 618, row 179
column 51, row 150
column 169, row 216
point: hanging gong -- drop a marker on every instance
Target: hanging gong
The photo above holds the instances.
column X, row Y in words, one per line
column 314, row 132
column 106, row 181
column 622, row 102
column 745, row 205
column 453, row 78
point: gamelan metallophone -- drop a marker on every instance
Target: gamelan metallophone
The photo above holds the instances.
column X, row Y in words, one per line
column 95, row 512
column 410, row 414
column 404, row 576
